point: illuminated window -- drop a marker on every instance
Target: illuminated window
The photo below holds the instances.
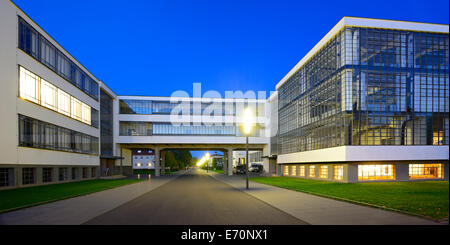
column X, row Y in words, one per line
column 286, row 171
column 29, row 85
column 338, row 172
column 149, row 164
column 376, row 172
column 426, row 171
column 294, row 170
column 37, row 90
column 438, row 138
column 312, row 171
column 63, row 103
column 86, row 113
column 76, row 109
column 323, row 172
column 48, row 95
column 301, row 171
column 138, row 164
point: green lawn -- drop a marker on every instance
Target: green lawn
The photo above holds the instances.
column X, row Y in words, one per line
column 220, row 171
column 29, row 196
column 428, row 198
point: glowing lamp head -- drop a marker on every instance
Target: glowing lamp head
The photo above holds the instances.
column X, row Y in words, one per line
column 247, row 121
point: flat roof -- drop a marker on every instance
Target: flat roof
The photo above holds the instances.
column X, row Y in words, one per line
column 165, row 98
column 365, row 22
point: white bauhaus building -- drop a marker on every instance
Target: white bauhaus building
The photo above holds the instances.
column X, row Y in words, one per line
column 369, row 102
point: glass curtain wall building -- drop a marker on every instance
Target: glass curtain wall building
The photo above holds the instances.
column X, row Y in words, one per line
column 368, row 86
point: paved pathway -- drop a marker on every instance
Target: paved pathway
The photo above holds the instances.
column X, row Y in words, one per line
column 196, row 198
column 80, row 209
column 317, row 210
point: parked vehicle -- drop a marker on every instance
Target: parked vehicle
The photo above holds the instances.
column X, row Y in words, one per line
column 256, row 168
column 239, row 169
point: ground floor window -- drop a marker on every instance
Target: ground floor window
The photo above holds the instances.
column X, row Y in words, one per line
column 426, row 171
column 62, row 174
column 4, row 176
column 74, row 173
column 294, row 170
column 85, row 173
column 376, row 172
column 93, row 172
column 47, row 175
column 323, row 172
column 338, row 172
column 312, row 171
column 286, row 170
column 28, row 176
column 301, row 171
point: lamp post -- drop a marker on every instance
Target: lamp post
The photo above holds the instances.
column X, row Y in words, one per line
column 247, row 125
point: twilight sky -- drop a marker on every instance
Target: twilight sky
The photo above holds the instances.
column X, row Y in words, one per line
column 157, row 47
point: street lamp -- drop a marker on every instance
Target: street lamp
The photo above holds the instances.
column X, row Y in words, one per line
column 247, row 126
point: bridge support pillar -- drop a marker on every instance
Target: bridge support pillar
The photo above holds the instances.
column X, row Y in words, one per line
column 266, row 160
column 225, row 162
column 229, row 162
column 163, row 162
column 157, row 161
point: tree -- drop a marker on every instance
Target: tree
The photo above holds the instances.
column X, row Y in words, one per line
column 183, row 157
column 171, row 161
column 214, row 162
column 194, row 161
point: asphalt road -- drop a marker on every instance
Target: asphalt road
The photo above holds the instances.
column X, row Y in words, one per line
column 196, row 198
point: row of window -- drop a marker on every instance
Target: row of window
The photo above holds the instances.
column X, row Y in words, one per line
column 147, row 107
column 366, row 172
column 310, row 171
column 40, row 48
column 149, row 129
column 43, row 135
column 35, row 89
column 49, row 175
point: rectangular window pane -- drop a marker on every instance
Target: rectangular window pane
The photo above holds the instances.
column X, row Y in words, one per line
column 63, row 103
column 48, row 95
column 294, row 170
column 286, row 170
column 338, row 172
column 323, row 172
column 29, row 85
column 47, row 175
column 426, row 171
column 86, row 113
column 76, row 108
column 312, row 171
column 376, row 172
column 301, row 171
column 28, row 176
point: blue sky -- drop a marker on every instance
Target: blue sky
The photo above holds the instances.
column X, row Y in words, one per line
column 158, row 47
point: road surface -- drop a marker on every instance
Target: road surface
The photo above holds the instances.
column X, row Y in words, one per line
column 195, row 198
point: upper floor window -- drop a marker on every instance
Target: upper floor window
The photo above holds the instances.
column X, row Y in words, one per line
column 48, row 95
column 29, row 85
column 37, row 90
column 41, row 49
